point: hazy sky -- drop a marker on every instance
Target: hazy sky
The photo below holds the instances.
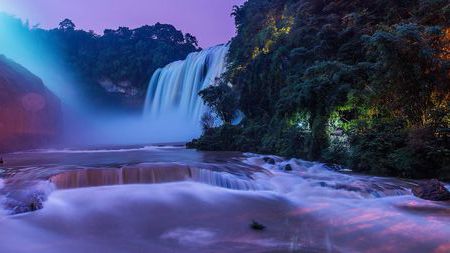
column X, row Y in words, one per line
column 208, row 20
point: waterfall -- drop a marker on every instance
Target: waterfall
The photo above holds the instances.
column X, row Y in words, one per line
column 172, row 96
column 152, row 174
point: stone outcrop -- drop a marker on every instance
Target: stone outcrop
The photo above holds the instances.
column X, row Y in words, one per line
column 432, row 190
column 30, row 115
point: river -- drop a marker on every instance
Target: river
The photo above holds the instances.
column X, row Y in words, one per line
column 166, row 199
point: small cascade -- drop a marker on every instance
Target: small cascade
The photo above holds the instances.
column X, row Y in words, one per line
column 172, row 95
column 151, row 174
column 225, row 180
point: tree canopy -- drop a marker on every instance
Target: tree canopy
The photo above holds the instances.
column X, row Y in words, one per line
column 355, row 82
column 114, row 68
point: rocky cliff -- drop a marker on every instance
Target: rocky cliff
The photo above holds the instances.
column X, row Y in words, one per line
column 30, row 115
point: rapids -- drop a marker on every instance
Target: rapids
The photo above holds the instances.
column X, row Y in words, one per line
column 170, row 199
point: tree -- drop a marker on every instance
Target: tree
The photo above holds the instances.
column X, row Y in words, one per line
column 190, row 39
column 120, row 57
column 369, row 78
column 222, row 99
column 67, row 25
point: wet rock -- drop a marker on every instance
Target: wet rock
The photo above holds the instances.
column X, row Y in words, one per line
column 288, row 167
column 269, row 160
column 432, row 190
column 344, row 187
column 24, row 204
column 336, row 167
column 257, row 226
column 323, row 184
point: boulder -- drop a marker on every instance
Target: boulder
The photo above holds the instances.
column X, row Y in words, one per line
column 30, row 115
column 19, row 201
column 288, row 167
column 431, row 190
column 269, row 160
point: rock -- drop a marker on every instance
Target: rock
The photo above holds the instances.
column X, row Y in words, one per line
column 24, row 204
column 288, row 167
column 323, row 184
column 269, row 160
column 336, row 167
column 344, row 187
column 349, row 188
column 257, row 226
column 30, row 115
column 431, row 190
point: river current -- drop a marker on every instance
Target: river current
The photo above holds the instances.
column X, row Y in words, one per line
column 170, row 199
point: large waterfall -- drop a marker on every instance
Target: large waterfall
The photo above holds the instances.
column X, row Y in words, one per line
column 172, row 96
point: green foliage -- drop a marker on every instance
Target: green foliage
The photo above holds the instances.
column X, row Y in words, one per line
column 389, row 148
column 220, row 139
column 408, row 77
column 222, row 99
column 351, row 82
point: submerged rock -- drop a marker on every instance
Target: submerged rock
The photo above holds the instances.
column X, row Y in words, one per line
column 257, row 226
column 431, row 190
column 269, row 160
column 25, row 204
column 288, row 167
column 338, row 186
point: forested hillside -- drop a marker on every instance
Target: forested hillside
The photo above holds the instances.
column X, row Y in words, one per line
column 114, row 68
column 359, row 83
column 30, row 115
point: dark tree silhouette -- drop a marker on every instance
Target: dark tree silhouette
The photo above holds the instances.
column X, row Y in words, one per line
column 67, row 24
column 360, row 83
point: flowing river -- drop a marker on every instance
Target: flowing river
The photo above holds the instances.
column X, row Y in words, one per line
column 169, row 199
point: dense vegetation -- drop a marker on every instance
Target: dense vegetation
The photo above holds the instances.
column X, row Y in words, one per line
column 360, row 83
column 113, row 68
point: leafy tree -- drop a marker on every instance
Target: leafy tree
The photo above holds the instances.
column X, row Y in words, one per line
column 67, row 25
column 362, row 83
column 222, row 99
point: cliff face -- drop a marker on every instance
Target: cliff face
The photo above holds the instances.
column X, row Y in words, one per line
column 30, row 115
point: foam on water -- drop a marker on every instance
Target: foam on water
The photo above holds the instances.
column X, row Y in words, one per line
column 138, row 218
column 207, row 207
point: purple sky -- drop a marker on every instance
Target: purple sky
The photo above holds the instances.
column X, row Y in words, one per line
column 208, row 20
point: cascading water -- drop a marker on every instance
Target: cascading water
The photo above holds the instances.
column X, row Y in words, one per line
column 172, row 96
column 170, row 199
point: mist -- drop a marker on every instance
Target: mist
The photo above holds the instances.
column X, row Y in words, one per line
column 87, row 123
